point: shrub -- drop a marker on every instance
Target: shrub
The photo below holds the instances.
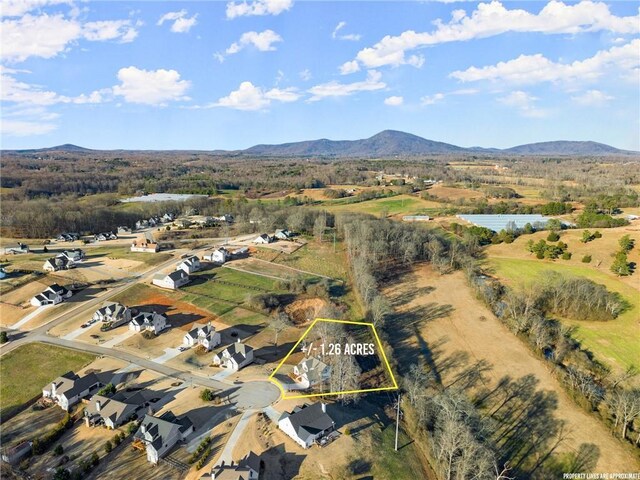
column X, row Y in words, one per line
column 566, row 256
column 586, row 259
column 347, row 431
column 108, row 446
column 553, row 237
column 4, row 337
column 108, row 389
column 207, row 395
column 59, row 450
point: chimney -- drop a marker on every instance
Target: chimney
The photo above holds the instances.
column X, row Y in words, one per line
column 53, row 389
column 143, row 429
column 98, row 406
column 324, row 407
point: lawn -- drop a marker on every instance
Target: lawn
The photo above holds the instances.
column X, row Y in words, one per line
column 25, row 370
column 318, row 258
column 614, row 342
column 405, row 463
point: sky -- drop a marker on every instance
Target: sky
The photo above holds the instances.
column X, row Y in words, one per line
column 232, row 74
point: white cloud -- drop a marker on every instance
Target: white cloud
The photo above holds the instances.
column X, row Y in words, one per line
column 592, row 98
column 490, row 19
column 25, row 128
column 17, row 8
column 394, row 101
column 263, row 41
column 337, row 89
column 150, row 87
column 109, row 30
column 524, row 103
column 257, row 7
column 305, row 75
column 354, row 37
column 349, row 67
column 46, row 36
column 529, row 69
column 432, row 99
column 250, row 97
column 181, row 22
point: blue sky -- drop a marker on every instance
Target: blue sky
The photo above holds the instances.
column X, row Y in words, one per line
column 228, row 75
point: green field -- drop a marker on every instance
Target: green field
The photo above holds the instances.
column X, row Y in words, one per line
column 398, row 205
column 614, row 342
column 405, row 463
column 25, row 370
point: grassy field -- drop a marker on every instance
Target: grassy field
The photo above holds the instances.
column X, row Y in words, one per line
column 405, row 463
column 398, row 205
column 25, row 370
column 614, row 342
column 318, row 258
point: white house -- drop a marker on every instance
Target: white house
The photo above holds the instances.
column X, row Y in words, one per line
column 189, row 265
column 283, row 234
column 160, row 434
column 70, row 388
column 173, row 280
column 59, row 262
column 76, row 255
column 204, row 335
column 118, row 409
column 307, row 424
column 311, row 371
column 234, row 357
column 115, row 314
column 15, row 249
column 219, row 256
column 263, row 239
column 101, row 237
column 227, row 217
column 148, row 321
column 51, row 296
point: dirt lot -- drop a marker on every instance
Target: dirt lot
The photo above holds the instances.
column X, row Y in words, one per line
column 459, row 326
column 305, row 310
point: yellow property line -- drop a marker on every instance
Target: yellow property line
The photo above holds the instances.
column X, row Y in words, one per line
column 384, row 357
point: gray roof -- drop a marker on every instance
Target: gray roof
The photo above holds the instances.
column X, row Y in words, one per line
column 314, row 368
column 121, row 406
column 71, row 384
column 158, row 428
column 177, row 275
column 309, row 420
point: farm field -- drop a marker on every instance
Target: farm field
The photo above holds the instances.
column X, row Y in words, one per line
column 456, row 331
column 397, row 205
column 25, row 370
column 615, row 342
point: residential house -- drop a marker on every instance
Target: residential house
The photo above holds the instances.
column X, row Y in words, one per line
column 220, row 256
column 3, row 273
column 189, row 265
column 173, row 280
column 75, row 255
column 263, row 239
column 53, row 295
column 140, row 224
column 307, row 424
column 59, row 262
column 70, row 388
column 160, row 434
column 122, row 230
column 283, row 234
column 228, row 218
column 246, row 469
column 16, row 249
column 148, row 321
column 416, row 218
column 118, row 409
column 311, row 371
column 68, row 237
column 168, row 217
column 104, row 236
column 114, row 314
column 145, row 243
column 14, row 455
column 235, row 356
column 204, row 335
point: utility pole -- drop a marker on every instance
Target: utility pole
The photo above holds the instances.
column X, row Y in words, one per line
column 334, row 239
column 397, row 421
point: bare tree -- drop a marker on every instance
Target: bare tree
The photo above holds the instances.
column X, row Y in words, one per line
column 279, row 323
column 319, row 227
column 379, row 309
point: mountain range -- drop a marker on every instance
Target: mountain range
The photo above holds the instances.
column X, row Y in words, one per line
column 392, row 143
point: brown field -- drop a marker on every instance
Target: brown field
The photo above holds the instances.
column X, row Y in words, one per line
column 453, row 193
column 471, row 333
